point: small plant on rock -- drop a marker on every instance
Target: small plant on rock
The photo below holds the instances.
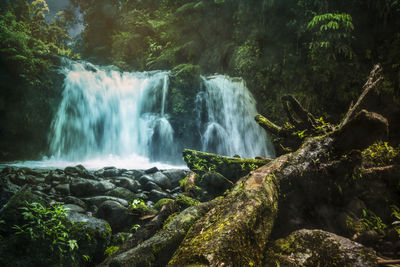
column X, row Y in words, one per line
column 47, row 229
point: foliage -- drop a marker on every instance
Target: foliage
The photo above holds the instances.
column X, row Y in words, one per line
column 111, row 251
column 47, row 228
column 29, row 45
column 332, row 36
column 138, row 206
column 372, row 222
column 380, row 154
column 396, row 215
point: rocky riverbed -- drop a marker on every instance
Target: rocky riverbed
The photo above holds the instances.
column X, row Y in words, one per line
column 112, row 203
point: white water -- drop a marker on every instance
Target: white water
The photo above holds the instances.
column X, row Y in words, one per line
column 109, row 118
column 229, row 127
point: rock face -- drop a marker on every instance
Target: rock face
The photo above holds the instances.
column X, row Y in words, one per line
column 318, row 248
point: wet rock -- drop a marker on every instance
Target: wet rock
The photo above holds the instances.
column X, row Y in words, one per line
column 57, row 176
column 127, row 183
column 136, row 173
column 175, row 175
column 151, row 186
column 7, row 190
column 85, row 187
column 214, row 184
column 158, row 178
column 108, row 172
column 368, row 238
column 18, row 179
column 161, row 179
column 156, row 195
column 98, row 200
column 29, row 171
column 75, row 201
column 36, row 179
column 93, row 235
column 133, row 174
column 116, row 215
column 63, row 189
column 11, row 213
column 151, row 170
column 78, row 171
column 142, row 195
column 121, row 192
column 74, row 208
column 318, row 248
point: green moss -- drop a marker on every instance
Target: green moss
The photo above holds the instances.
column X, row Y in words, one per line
column 162, row 202
column 170, row 218
column 230, row 167
column 137, row 206
column 185, row 201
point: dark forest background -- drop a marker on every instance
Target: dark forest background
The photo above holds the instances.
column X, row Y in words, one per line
column 319, row 51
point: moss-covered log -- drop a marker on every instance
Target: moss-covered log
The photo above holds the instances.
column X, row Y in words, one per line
column 237, row 230
column 230, row 167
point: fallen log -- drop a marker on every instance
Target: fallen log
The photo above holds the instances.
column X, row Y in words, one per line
column 236, row 231
column 231, row 167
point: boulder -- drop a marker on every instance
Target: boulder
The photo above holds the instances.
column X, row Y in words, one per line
column 93, row 235
column 78, row 171
column 73, row 208
column 57, row 176
column 318, row 248
column 63, row 189
column 116, row 215
column 98, row 200
column 84, row 187
column 75, row 201
column 108, row 172
column 175, row 175
column 127, row 183
column 158, row 178
column 121, row 192
column 214, row 184
column 156, row 195
column 151, row 170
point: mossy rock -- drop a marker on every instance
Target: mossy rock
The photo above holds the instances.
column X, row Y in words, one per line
column 162, row 202
column 12, row 214
column 121, row 192
column 318, row 248
column 93, row 236
column 186, row 202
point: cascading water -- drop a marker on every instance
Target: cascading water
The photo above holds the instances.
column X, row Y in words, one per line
column 112, row 118
column 106, row 113
column 226, row 111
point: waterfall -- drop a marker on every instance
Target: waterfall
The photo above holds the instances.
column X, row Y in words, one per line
column 105, row 112
column 123, row 116
column 226, row 111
